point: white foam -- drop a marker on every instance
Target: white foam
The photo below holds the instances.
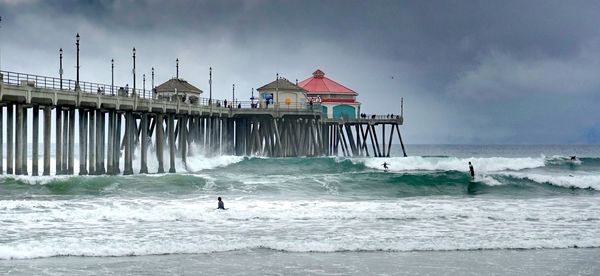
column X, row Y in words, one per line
column 121, row 226
column 481, row 164
column 583, row 181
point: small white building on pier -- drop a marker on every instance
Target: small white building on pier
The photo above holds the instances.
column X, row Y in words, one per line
column 283, row 92
column 177, row 89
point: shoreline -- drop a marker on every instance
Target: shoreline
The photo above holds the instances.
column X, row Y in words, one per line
column 569, row 261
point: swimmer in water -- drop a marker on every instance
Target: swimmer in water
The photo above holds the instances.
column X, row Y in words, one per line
column 221, row 205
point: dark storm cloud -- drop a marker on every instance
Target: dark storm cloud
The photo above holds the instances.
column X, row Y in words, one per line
column 470, row 71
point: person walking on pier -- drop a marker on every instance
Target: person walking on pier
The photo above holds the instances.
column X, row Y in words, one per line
column 472, row 170
column 220, row 204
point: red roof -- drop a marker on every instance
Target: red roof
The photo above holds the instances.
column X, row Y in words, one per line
column 319, row 84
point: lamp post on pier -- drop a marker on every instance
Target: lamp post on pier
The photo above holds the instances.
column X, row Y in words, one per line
column 77, row 43
column 143, row 85
column 210, row 86
column 152, row 82
column 60, row 70
column 112, row 77
column 133, row 71
column 233, row 96
column 177, row 68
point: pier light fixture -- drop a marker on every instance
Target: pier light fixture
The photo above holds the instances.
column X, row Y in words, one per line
column 177, row 68
column 112, row 77
column 133, row 71
column 233, row 95
column 77, row 44
column 60, row 68
column 153, row 88
column 144, row 84
column 210, row 85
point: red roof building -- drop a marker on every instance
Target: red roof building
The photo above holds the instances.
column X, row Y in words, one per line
column 337, row 101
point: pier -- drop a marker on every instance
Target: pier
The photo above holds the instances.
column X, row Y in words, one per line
column 105, row 126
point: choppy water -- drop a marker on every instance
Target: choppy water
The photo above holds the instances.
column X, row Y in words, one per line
column 523, row 197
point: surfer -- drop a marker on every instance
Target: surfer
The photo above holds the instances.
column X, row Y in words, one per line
column 385, row 166
column 472, row 170
column 221, row 205
column 573, row 158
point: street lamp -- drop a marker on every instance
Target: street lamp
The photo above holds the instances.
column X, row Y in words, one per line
column 77, row 43
column 210, row 85
column 60, row 70
column 177, row 68
column 112, row 77
column 133, row 71
column 143, row 85
column 152, row 82
column 233, row 96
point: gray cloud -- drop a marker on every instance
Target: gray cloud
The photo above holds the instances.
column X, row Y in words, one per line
column 470, row 71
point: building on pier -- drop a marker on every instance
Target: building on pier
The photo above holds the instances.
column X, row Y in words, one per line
column 283, row 93
column 177, row 89
column 337, row 101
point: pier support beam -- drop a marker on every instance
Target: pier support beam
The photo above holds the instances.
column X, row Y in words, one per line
column 35, row 141
column 47, row 136
column 24, row 144
column 129, row 130
column 144, row 143
column 59, row 141
column 99, row 158
column 117, row 144
column 19, row 140
column 71, row 140
column 183, row 139
column 65, row 148
column 82, row 142
column 160, row 133
column 171, row 128
column 110, row 140
column 9, row 139
column 92, row 142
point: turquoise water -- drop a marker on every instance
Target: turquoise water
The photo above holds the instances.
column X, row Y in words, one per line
column 523, row 197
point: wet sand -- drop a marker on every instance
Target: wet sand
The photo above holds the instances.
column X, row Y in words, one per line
column 269, row 262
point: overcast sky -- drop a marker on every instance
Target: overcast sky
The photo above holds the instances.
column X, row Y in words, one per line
column 484, row 72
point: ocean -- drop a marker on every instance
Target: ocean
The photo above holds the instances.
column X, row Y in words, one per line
column 530, row 209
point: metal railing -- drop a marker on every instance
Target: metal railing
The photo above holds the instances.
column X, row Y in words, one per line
column 380, row 117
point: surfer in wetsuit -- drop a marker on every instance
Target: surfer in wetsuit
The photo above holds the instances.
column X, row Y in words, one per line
column 472, row 170
column 385, row 166
column 221, row 205
column 573, row 158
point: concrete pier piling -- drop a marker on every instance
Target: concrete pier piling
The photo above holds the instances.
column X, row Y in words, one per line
column 144, row 144
column 47, row 138
column 35, row 140
column 92, row 141
column 155, row 125
column 110, row 141
column 171, row 143
column 65, row 148
column 9, row 139
column 71, row 161
column 160, row 142
column 59, row 141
